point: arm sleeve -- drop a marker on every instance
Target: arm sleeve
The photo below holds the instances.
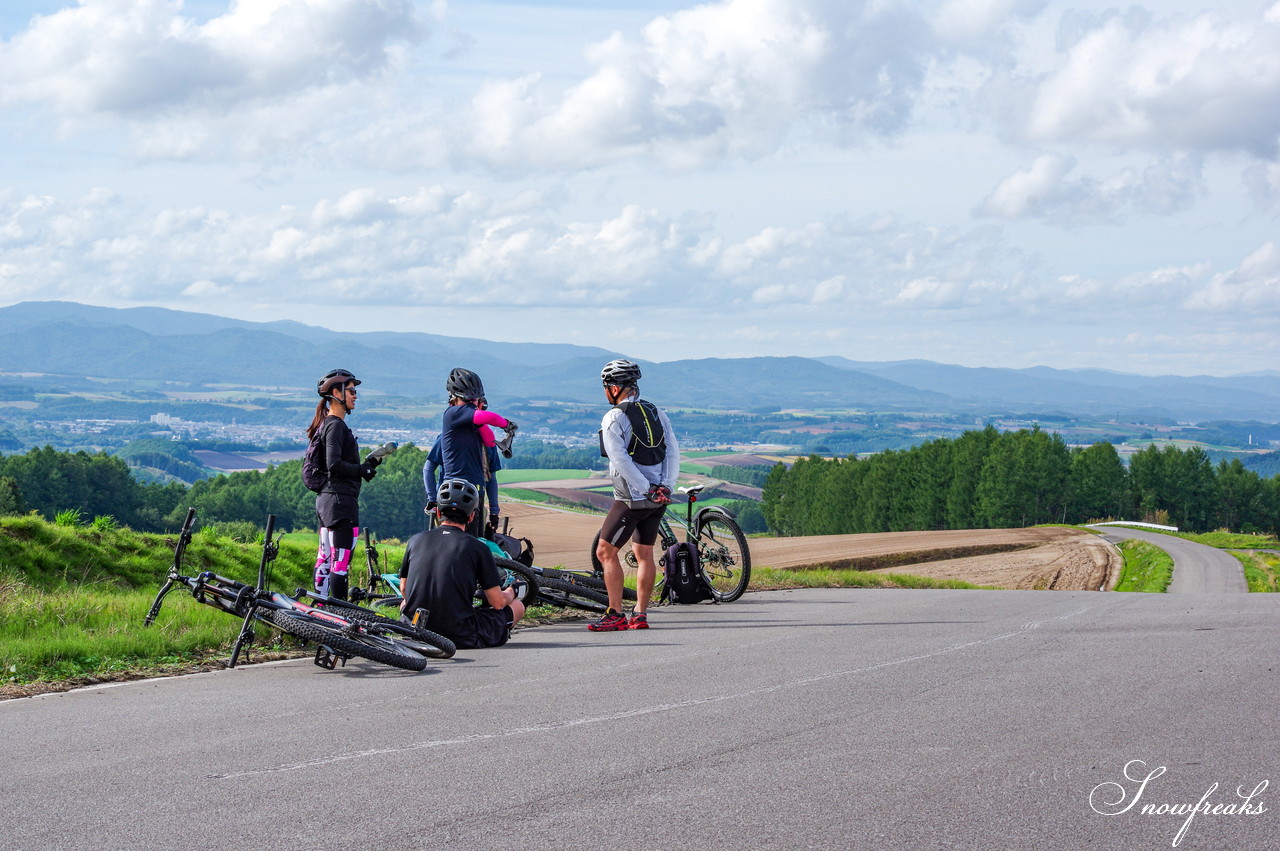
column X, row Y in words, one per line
column 491, row 486
column 431, row 472
column 489, row 418
column 486, row 436
column 615, row 446
column 487, row 570
column 671, row 464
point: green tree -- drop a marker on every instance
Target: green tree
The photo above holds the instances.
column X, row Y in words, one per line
column 10, row 496
column 1097, row 487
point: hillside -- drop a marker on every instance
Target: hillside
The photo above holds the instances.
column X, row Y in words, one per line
column 61, row 343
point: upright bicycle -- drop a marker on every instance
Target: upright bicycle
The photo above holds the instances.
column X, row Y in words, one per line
column 723, row 555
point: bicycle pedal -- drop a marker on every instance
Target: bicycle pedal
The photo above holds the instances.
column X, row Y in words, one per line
column 327, row 659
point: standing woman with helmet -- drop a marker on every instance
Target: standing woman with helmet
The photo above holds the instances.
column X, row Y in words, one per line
column 462, row 449
column 337, row 504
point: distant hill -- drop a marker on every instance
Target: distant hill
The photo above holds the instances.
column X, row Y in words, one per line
column 149, row 346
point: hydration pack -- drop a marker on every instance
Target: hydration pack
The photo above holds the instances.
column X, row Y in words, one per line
column 683, row 580
column 648, row 444
column 314, row 474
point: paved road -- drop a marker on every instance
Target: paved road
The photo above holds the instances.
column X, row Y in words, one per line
column 886, row 719
column 1197, row 569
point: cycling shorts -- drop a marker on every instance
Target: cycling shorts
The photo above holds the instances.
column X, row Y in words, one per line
column 637, row 524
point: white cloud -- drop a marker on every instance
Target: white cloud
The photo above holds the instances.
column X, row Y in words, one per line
column 131, row 58
column 1042, row 191
column 1249, row 288
column 1201, row 83
column 735, row 78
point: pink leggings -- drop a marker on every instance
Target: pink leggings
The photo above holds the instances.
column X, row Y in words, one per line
column 334, row 558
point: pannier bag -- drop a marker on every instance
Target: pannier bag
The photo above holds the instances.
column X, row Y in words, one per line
column 684, row 582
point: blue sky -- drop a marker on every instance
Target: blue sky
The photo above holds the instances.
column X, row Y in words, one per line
column 981, row 182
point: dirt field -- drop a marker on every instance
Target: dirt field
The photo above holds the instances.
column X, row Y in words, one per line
column 1059, row 559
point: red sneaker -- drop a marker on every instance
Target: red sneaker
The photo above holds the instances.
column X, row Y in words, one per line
column 610, row 621
column 639, row 620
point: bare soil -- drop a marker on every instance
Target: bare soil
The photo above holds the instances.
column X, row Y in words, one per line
column 1042, row 558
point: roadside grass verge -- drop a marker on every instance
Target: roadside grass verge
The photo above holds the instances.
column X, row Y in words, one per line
column 1261, row 571
column 72, row 601
column 778, row 579
column 1147, row 568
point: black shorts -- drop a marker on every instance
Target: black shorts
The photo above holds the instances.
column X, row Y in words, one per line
column 492, row 628
column 638, row 524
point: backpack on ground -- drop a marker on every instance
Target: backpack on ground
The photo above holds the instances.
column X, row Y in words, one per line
column 314, row 474
column 683, row 581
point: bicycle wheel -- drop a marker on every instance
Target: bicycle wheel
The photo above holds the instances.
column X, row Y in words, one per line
column 426, row 642
column 558, row 592
column 725, row 559
column 526, row 582
column 376, row 648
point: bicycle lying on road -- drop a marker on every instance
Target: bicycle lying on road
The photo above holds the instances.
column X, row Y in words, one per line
column 339, row 629
column 723, row 555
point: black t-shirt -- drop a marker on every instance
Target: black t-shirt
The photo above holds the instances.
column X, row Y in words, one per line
column 440, row 571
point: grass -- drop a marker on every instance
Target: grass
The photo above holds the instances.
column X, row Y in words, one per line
column 1233, row 540
column 1147, row 568
column 73, row 598
column 775, row 579
column 1261, row 571
column 517, row 476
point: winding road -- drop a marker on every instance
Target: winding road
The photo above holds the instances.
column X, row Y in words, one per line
column 1197, row 569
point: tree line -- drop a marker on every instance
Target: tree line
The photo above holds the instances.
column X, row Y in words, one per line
column 49, row 481
column 989, row 479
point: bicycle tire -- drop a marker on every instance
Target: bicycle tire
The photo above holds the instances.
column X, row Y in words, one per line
column 723, row 557
column 376, row 648
column 532, row 583
column 558, row 592
column 428, row 643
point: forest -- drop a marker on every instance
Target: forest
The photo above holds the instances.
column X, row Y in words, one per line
column 993, row 479
column 50, row 482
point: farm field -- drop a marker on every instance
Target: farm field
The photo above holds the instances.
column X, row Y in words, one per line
column 1041, row 558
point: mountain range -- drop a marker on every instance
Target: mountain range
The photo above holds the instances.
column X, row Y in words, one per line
column 147, row 346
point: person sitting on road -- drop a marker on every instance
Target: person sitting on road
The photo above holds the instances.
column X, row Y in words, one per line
column 443, row 567
column 462, row 449
column 644, row 462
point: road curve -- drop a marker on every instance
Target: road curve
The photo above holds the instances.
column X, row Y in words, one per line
column 1197, row 569
column 891, row 720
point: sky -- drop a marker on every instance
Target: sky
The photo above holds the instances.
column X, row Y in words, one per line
column 998, row 183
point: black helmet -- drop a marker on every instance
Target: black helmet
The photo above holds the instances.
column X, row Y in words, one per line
column 458, row 494
column 333, row 378
column 622, row 373
column 464, row 384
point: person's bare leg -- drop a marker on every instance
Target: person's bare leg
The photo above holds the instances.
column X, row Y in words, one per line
column 608, row 555
column 646, row 574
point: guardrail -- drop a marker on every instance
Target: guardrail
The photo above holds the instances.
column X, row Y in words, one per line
column 1135, row 523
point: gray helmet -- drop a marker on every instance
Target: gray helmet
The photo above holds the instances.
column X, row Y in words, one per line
column 623, row 373
column 335, row 378
column 458, row 494
column 464, row 384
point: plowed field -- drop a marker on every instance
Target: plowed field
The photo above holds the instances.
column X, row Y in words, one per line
column 1046, row 558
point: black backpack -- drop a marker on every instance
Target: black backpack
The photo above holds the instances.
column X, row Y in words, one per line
column 314, row 474
column 648, row 444
column 684, row 582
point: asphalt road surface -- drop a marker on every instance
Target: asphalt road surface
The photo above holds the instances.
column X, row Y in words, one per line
column 1197, row 569
column 879, row 719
